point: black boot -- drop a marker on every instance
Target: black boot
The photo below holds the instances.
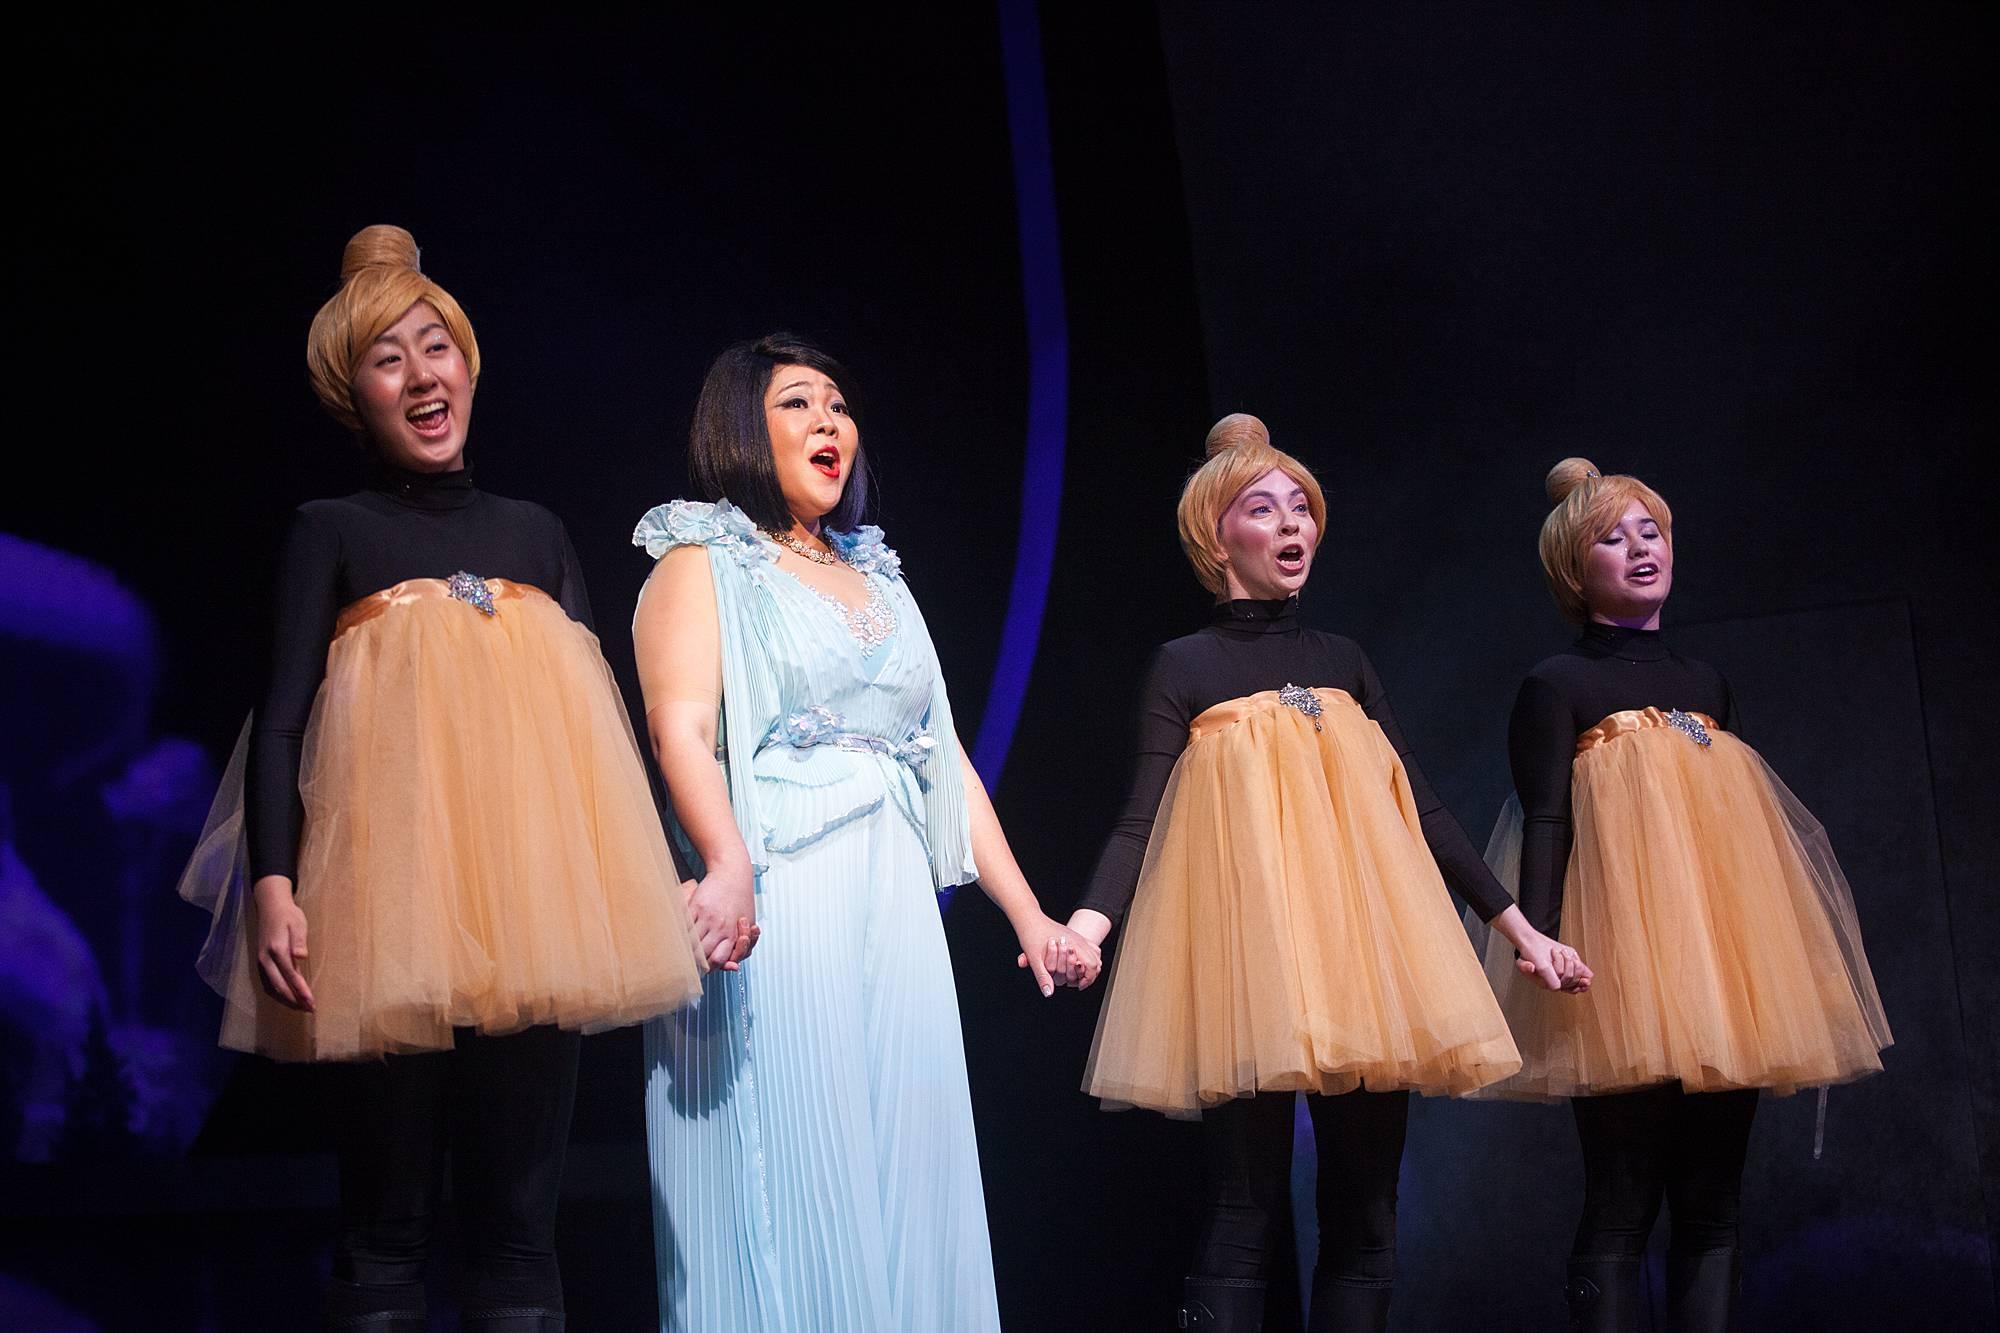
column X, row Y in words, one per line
column 358, row 1307
column 513, row 1319
column 1222, row 1304
column 1603, row 1294
column 1350, row 1307
column 1701, row 1288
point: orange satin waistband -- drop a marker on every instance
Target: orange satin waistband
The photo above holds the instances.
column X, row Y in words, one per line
column 1631, row 720
column 1231, row 711
column 362, row 610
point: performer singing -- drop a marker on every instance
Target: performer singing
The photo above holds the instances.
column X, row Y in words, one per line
column 1289, row 928
column 1728, row 953
column 813, row 1159
column 455, row 861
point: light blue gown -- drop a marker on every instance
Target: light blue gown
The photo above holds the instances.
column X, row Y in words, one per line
column 809, row 1124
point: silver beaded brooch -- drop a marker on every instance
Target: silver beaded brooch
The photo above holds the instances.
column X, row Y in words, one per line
column 472, row 590
column 1690, row 726
column 1295, row 696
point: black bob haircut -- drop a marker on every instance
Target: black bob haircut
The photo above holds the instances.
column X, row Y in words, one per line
column 729, row 444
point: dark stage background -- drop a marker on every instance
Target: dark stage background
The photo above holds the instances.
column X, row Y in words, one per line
column 1436, row 247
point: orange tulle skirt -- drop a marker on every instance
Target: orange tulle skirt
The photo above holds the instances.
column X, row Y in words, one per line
column 1709, row 905
column 480, row 846
column 1290, row 931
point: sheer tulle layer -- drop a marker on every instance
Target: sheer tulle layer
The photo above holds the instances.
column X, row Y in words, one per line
column 1708, row 903
column 480, row 847
column 1290, row 930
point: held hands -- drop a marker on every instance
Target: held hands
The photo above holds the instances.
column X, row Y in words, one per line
column 281, row 942
column 1091, row 927
column 723, row 910
column 1554, row 964
column 1057, row 955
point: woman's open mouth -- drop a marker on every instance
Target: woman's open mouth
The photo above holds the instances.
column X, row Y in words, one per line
column 1291, row 558
column 826, row 461
column 430, row 419
column 1646, row 573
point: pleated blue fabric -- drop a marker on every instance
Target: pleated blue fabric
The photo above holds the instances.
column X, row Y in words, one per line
column 808, row 1119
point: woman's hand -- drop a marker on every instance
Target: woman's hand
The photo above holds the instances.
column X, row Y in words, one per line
column 723, row 909
column 748, row 932
column 1057, row 955
column 281, row 942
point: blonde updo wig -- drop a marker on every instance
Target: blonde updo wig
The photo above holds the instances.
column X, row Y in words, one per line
column 1588, row 505
column 379, row 282
column 1239, row 452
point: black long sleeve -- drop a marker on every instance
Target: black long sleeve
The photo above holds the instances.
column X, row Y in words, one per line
column 407, row 525
column 1606, row 671
column 1164, row 712
column 1541, row 745
column 571, row 594
column 1249, row 647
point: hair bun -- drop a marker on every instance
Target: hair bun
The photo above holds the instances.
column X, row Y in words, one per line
column 380, row 246
column 1567, row 475
column 1235, row 431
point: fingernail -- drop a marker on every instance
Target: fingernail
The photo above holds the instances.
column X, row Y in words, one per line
column 1048, row 991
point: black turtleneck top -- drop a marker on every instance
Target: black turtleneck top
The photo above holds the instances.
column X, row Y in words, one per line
column 406, row 525
column 1252, row 646
column 1608, row 670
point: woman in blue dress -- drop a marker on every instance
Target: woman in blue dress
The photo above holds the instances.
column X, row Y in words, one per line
column 809, row 1124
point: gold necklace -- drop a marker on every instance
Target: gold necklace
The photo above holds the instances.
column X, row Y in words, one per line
column 786, row 539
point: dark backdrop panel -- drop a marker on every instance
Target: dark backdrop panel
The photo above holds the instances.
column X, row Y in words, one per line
column 1897, row 1188
column 1958, row 689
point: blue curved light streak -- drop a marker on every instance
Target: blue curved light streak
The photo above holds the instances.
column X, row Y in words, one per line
column 1048, row 382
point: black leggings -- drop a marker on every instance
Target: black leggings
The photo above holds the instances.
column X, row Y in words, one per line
column 502, row 1107
column 1640, row 1147
column 1247, row 1159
